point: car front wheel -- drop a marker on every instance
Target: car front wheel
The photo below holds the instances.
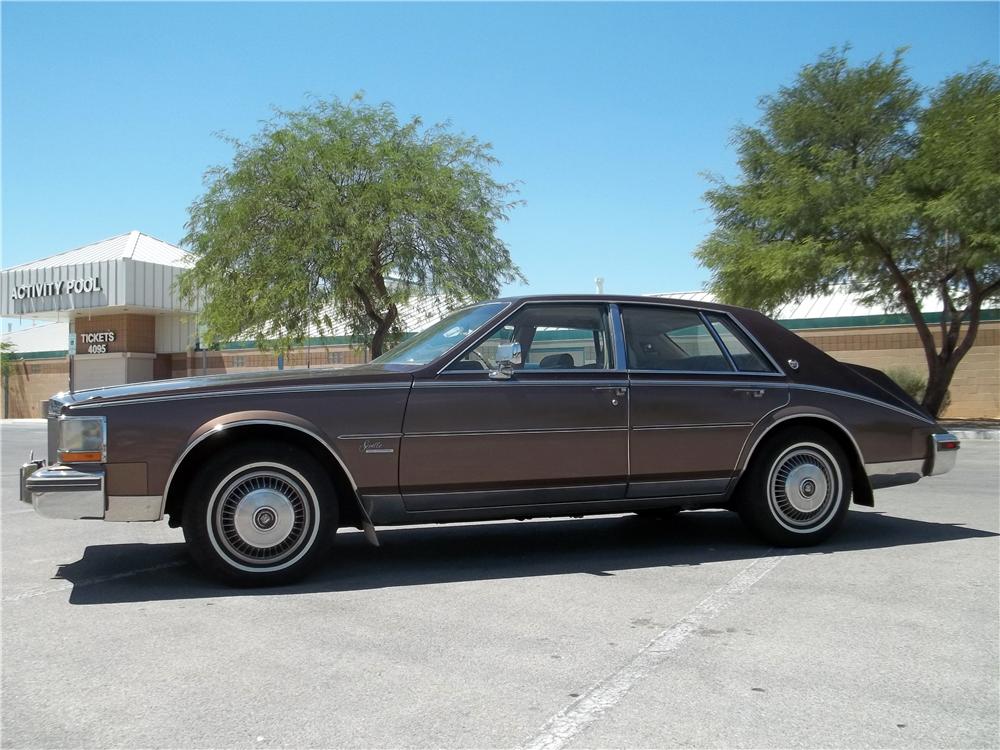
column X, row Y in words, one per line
column 260, row 514
column 798, row 490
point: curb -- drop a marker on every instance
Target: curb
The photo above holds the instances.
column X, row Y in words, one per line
column 976, row 434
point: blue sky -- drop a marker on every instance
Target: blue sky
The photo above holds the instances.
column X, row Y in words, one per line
column 607, row 114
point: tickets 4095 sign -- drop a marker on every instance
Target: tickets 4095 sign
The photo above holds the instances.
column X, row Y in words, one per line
column 97, row 343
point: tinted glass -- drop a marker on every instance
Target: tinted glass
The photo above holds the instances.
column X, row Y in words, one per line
column 432, row 342
column 669, row 339
column 552, row 337
column 748, row 358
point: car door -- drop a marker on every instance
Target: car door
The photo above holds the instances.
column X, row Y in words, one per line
column 555, row 431
column 693, row 400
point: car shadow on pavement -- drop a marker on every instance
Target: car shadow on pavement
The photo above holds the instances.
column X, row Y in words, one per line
column 413, row 556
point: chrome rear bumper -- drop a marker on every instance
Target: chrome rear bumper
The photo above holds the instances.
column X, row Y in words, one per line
column 59, row 491
column 940, row 459
column 944, row 452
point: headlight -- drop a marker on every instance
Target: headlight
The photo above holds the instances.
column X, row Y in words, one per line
column 83, row 439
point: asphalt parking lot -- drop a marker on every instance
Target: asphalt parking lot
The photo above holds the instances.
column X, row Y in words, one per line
column 563, row 633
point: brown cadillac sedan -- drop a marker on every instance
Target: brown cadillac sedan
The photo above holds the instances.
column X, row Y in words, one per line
column 516, row 408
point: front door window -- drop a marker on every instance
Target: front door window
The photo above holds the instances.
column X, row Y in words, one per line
column 552, row 337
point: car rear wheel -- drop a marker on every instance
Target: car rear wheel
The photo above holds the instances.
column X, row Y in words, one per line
column 260, row 514
column 798, row 489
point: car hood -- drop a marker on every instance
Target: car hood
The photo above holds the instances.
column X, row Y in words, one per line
column 239, row 381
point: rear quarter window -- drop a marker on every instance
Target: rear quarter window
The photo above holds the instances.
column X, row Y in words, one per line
column 746, row 356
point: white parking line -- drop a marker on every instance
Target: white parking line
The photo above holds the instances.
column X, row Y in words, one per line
column 609, row 691
column 91, row 581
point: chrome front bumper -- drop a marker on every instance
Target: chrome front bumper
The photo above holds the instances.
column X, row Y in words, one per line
column 59, row 491
column 944, row 452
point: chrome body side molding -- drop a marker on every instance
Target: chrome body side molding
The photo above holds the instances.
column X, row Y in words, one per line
column 713, row 425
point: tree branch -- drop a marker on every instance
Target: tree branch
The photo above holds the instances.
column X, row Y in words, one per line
column 912, row 306
column 368, row 304
column 973, row 309
column 986, row 291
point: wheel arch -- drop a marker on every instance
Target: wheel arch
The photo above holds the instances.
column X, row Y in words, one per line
column 861, row 488
column 214, row 435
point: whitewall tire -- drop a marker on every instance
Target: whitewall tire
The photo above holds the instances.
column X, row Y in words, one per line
column 260, row 514
column 797, row 490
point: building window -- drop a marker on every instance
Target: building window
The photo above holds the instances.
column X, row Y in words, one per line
column 335, row 358
column 239, row 361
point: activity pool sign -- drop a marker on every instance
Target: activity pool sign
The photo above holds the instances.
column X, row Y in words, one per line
column 56, row 288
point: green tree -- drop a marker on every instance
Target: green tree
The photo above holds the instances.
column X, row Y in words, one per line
column 341, row 206
column 857, row 176
column 8, row 356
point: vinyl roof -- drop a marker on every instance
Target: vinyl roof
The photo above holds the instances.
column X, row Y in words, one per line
column 133, row 245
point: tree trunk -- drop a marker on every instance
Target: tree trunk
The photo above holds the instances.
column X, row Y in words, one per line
column 939, row 377
column 383, row 327
column 941, row 365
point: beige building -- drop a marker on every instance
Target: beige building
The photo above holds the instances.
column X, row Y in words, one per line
column 108, row 313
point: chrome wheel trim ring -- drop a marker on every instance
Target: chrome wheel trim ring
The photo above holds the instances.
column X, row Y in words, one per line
column 263, row 517
column 804, row 488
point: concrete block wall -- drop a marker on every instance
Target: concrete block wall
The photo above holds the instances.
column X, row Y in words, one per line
column 33, row 382
column 975, row 390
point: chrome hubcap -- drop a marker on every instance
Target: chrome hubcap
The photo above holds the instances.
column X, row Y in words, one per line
column 262, row 516
column 803, row 487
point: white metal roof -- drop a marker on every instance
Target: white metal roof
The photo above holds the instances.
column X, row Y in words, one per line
column 840, row 303
column 132, row 245
column 415, row 315
column 48, row 337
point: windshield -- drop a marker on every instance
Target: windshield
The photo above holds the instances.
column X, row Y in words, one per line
column 432, row 342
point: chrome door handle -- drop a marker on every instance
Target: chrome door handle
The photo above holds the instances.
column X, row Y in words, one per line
column 617, row 390
column 750, row 392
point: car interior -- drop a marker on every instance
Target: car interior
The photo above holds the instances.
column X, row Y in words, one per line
column 552, row 337
column 575, row 337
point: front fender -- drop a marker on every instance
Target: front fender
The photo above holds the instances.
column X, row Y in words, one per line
column 247, row 418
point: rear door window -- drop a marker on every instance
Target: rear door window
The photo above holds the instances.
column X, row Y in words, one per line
column 670, row 340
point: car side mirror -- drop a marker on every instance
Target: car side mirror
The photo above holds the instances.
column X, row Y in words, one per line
column 508, row 355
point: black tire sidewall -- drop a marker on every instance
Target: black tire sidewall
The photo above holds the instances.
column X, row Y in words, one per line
column 202, row 492
column 755, row 508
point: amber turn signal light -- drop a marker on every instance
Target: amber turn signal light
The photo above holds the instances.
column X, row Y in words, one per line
column 70, row 457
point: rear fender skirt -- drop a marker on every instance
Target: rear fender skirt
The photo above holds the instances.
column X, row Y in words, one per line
column 862, row 489
column 277, row 419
